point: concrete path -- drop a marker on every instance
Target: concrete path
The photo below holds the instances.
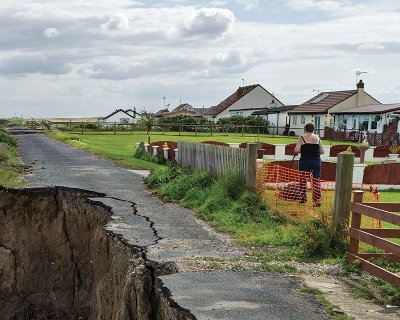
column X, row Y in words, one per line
column 169, row 232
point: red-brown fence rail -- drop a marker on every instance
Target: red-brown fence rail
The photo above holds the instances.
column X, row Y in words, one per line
column 376, row 238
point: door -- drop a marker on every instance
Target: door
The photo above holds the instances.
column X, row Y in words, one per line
column 317, row 125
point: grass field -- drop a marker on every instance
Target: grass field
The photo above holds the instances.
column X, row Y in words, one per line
column 120, row 146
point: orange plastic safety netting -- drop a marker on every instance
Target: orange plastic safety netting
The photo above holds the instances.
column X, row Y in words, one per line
column 300, row 196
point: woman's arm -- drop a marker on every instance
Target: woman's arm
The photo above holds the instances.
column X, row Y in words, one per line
column 321, row 147
column 298, row 145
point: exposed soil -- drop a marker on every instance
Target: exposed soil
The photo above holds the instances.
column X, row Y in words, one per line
column 58, row 262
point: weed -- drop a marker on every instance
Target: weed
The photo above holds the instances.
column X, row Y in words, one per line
column 163, row 176
column 332, row 309
column 141, row 153
column 10, row 167
column 353, row 267
column 194, row 197
column 7, row 139
column 282, row 268
column 321, row 240
column 233, row 182
column 177, row 189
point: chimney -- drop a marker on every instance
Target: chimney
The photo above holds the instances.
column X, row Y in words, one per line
column 360, row 93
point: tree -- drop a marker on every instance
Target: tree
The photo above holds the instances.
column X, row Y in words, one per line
column 147, row 120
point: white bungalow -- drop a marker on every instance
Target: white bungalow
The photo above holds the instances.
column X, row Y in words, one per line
column 243, row 102
column 128, row 116
column 374, row 118
column 320, row 108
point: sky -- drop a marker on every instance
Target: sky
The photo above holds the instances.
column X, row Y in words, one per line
column 81, row 58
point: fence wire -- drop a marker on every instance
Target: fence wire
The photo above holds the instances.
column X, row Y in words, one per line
column 299, row 196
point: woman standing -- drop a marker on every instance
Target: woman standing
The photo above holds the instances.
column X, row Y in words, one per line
column 310, row 147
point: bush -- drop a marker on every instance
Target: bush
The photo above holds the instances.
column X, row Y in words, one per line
column 234, row 183
column 162, row 176
column 249, row 204
column 7, row 139
column 177, row 189
column 216, row 200
column 194, row 197
column 141, row 153
column 320, row 240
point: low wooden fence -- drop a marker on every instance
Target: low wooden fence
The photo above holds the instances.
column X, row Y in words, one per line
column 342, row 134
column 387, row 173
column 375, row 237
column 210, row 157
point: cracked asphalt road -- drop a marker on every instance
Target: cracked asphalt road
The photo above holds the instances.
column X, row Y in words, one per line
column 168, row 233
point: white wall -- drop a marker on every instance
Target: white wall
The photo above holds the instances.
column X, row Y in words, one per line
column 117, row 118
column 298, row 127
column 256, row 98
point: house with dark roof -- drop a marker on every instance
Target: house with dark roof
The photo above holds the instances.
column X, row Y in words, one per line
column 128, row 116
column 183, row 109
column 243, row 102
column 374, row 118
column 320, row 108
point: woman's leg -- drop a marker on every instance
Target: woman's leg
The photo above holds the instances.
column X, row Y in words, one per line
column 316, row 182
column 304, row 167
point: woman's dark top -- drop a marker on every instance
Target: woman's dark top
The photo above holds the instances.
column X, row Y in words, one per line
column 309, row 151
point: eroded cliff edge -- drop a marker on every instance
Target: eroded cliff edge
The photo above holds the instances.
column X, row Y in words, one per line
column 57, row 261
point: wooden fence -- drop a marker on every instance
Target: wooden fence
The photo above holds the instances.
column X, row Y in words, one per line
column 212, row 158
column 388, row 173
column 375, row 237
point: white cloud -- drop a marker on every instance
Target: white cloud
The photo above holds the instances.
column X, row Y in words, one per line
column 217, row 3
column 117, row 21
column 233, row 59
column 189, row 52
column 50, row 33
column 212, row 22
column 248, row 4
column 371, row 46
column 35, row 62
column 324, row 5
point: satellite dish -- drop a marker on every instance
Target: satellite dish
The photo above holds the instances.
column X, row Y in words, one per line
column 378, row 117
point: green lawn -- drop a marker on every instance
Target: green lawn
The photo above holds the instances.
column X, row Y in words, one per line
column 199, row 137
column 120, row 147
column 390, row 195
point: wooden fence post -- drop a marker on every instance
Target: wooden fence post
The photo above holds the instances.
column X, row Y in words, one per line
column 343, row 190
column 251, row 165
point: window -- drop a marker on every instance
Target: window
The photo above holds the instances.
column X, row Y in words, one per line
column 354, row 123
column 320, row 98
column 303, row 120
column 363, row 123
column 374, row 123
column 295, row 120
column 342, row 122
